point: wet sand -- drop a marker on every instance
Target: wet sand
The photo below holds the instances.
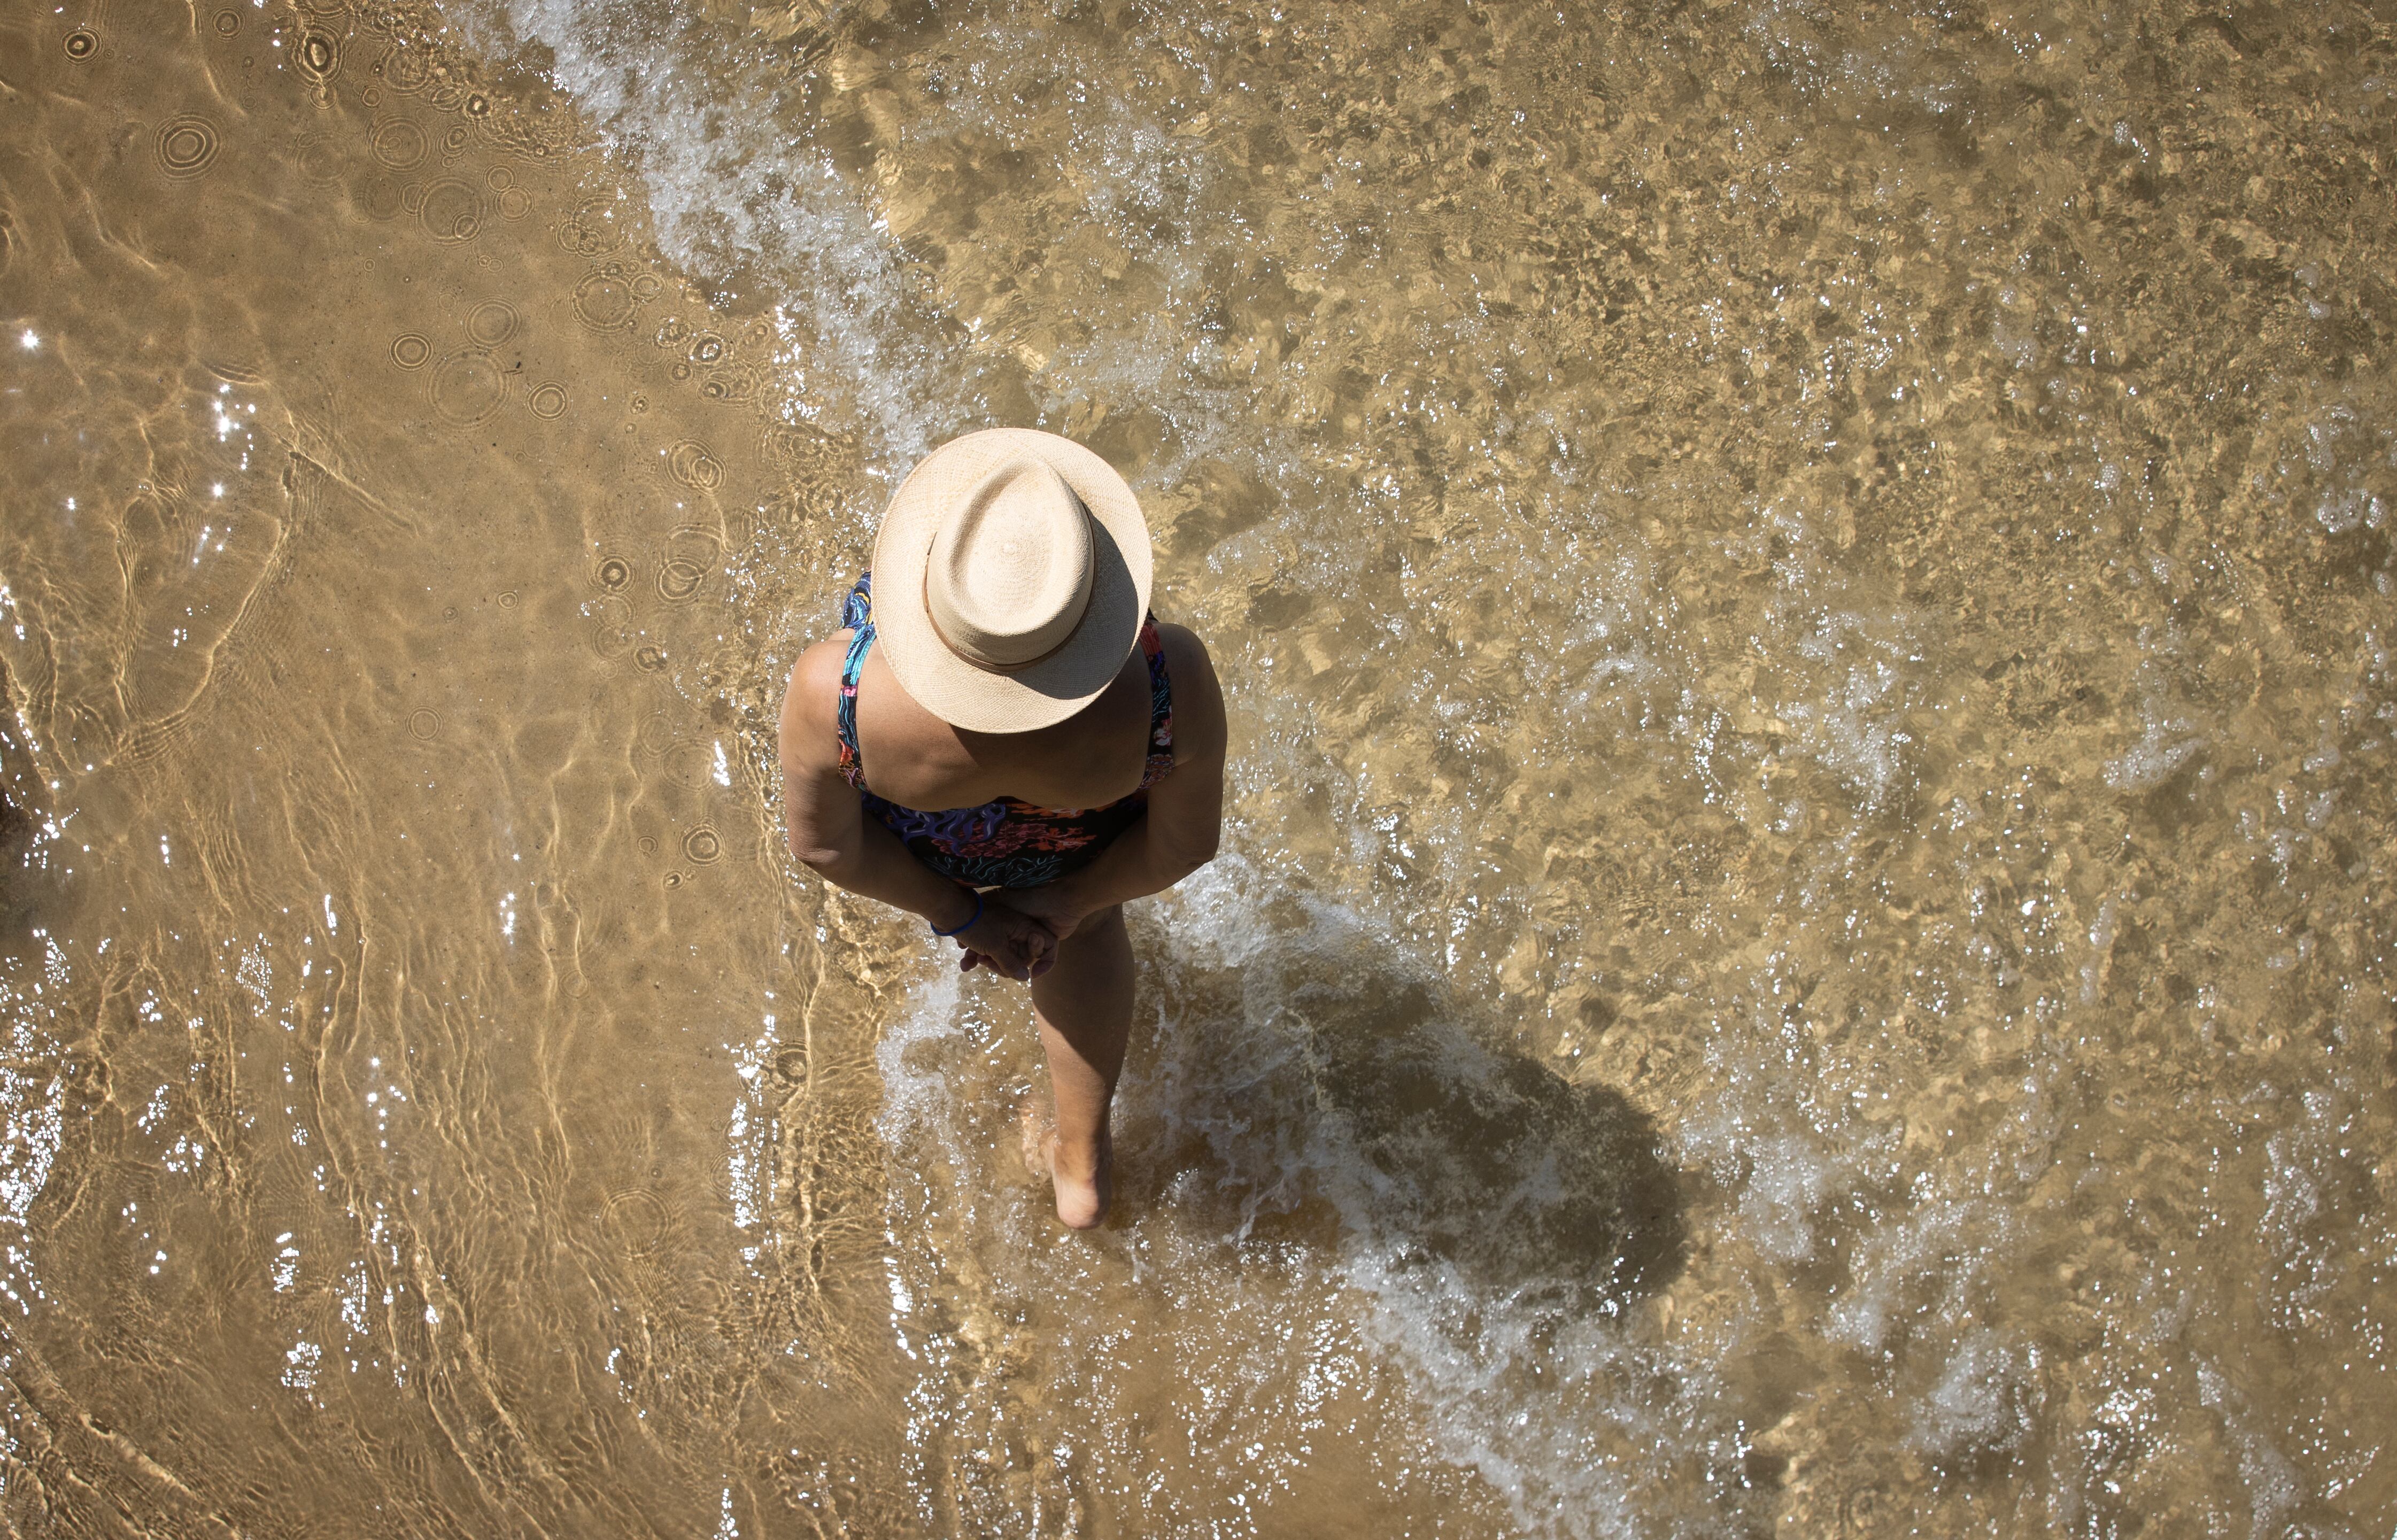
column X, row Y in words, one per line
column 408, row 883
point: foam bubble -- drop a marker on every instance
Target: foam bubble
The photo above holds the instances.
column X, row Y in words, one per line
column 2167, row 743
column 1976, row 1406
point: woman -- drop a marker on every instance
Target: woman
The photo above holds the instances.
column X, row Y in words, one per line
column 1000, row 665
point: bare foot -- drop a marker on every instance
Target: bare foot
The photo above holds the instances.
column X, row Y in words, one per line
column 1084, row 1186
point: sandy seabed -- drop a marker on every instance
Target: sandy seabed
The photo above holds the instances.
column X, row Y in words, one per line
column 1805, row 601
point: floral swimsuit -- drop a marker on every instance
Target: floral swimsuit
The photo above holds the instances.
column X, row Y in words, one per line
column 1006, row 843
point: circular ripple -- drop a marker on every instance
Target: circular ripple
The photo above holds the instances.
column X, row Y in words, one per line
column 406, row 70
column 689, row 555
column 381, row 198
column 649, row 845
column 657, row 735
column 640, row 1220
column 319, row 55
column 704, row 846
column 592, row 229
column 453, row 144
column 187, row 145
column 706, row 348
column 466, row 387
column 515, row 202
column 399, row 144
column 699, row 547
column 605, row 303
column 689, row 764
column 673, row 332
column 318, row 159
column 425, row 725
column 791, row 1064
column 801, row 450
column 648, row 660
column 83, row 42
column 409, row 351
column 611, row 626
column 452, row 211
column 694, row 465
column 547, row 400
column 491, row 323
column 498, row 179
column 733, row 382
column 228, row 22
column 614, row 573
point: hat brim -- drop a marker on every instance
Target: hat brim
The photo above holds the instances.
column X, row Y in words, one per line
column 1059, row 685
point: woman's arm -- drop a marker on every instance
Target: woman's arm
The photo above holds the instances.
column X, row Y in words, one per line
column 832, row 837
column 1178, row 832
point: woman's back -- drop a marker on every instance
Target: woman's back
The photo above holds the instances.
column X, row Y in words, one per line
column 910, row 757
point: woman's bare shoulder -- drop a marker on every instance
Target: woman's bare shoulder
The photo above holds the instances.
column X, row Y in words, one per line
column 1183, row 649
column 811, row 704
column 1198, row 696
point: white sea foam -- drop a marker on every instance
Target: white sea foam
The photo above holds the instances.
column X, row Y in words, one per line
column 2343, row 451
column 32, row 1105
column 688, row 104
column 2166, row 743
column 1976, row 1405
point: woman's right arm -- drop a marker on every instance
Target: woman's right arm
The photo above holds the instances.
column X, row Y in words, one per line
column 832, row 837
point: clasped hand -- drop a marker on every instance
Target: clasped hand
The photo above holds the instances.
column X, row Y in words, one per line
column 1007, row 941
column 1018, row 935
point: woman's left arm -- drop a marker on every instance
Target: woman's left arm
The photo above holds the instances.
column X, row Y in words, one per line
column 1178, row 832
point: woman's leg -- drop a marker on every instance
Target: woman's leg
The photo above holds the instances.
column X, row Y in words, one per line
column 1084, row 1008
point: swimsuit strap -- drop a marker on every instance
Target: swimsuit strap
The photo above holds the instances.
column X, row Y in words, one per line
column 856, row 612
column 1160, row 706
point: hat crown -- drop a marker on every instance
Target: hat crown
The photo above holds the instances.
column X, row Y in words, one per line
column 1011, row 567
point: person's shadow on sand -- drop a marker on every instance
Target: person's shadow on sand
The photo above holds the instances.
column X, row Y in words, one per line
column 1442, row 1147
column 1488, row 1160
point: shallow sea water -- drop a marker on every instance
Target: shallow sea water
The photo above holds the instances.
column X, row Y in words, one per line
column 1803, row 943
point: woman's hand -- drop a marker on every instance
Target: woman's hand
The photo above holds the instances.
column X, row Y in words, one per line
column 1054, row 906
column 1008, row 940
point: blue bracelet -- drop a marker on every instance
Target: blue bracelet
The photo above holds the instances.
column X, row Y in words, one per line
column 969, row 921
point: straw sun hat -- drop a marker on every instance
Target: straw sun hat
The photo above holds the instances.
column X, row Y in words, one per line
column 1010, row 580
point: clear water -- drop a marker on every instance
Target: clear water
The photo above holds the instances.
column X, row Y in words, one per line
column 1804, row 938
